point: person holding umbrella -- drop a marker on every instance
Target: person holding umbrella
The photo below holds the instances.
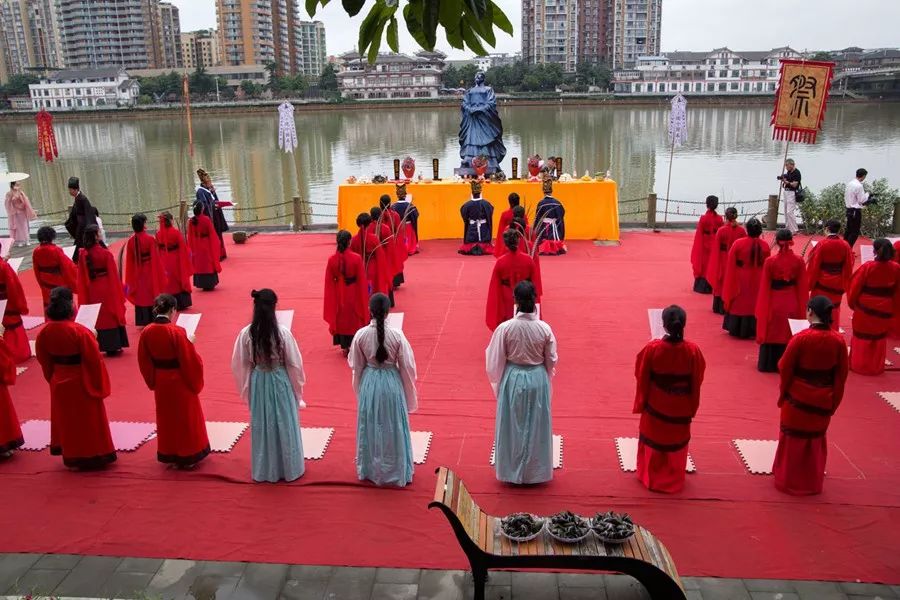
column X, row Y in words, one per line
column 18, row 209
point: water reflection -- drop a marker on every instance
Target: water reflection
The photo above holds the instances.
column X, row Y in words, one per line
column 143, row 164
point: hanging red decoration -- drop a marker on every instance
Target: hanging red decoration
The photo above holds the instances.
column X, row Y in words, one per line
column 46, row 137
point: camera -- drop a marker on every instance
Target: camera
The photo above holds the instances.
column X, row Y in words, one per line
column 780, row 177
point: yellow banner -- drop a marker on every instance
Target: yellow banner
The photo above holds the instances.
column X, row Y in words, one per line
column 801, row 99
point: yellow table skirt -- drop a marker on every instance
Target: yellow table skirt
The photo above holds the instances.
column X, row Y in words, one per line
column 592, row 207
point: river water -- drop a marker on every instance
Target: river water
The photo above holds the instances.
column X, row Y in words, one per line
column 129, row 165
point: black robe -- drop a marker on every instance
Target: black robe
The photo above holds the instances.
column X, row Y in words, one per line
column 81, row 214
column 550, row 208
column 477, row 215
column 408, row 211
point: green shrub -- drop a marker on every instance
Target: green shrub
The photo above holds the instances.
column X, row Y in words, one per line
column 829, row 204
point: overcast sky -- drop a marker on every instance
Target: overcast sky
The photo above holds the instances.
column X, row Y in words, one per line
column 687, row 24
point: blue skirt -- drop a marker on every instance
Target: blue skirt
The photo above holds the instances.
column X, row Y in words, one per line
column 524, row 432
column 277, row 450
column 384, row 453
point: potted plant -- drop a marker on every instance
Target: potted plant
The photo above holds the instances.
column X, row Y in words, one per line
column 409, row 167
column 480, row 164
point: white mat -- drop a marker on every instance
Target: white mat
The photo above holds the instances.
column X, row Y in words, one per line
column 395, row 320
column 224, row 435
column 557, row 452
column 36, row 434
column 421, row 443
column 757, row 455
column 626, row 448
column 315, row 441
column 892, row 398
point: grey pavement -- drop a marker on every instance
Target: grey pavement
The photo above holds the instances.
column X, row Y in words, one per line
column 72, row 576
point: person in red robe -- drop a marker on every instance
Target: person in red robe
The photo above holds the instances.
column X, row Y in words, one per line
column 813, row 372
column 173, row 370
column 145, row 276
column 506, row 218
column 510, row 269
column 874, row 297
column 52, row 268
column 726, row 236
column 372, row 252
column 895, row 330
column 71, row 362
column 10, row 431
column 783, row 291
column 346, row 304
column 99, row 283
column 16, row 306
column 704, row 243
column 176, row 258
column 528, row 245
column 740, row 289
column 669, row 373
column 205, row 249
column 382, row 231
column 830, row 267
column 392, row 218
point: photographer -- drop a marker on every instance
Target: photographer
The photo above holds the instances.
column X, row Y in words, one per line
column 855, row 197
column 790, row 181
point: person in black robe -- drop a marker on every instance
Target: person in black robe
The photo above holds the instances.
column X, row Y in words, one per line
column 81, row 214
column 550, row 223
column 478, row 224
column 409, row 216
column 209, row 201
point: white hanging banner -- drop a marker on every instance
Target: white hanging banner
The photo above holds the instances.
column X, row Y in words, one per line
column 678, row 121
column 287, row 128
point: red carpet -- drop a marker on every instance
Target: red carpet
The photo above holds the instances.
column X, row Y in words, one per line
column 726, row 522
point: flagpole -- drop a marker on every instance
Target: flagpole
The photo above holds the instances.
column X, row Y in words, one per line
column 669, row 182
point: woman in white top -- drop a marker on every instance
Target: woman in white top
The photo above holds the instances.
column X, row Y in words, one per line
column 384, row 380
column 268, row 370
column 520, row 360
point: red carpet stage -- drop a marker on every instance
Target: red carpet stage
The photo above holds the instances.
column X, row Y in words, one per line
column 727, row 522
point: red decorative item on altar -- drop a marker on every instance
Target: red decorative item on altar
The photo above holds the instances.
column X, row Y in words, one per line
column 409, row 167
column 801, row 99
column 46, row 137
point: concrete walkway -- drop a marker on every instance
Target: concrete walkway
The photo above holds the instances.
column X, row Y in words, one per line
column 86, row 577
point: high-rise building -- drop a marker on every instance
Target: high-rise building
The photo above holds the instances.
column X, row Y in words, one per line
column 29, row 37
column 310, row 42
column 200, row 49
column 567, row 32
column 632, row 30
column 170, row 36
column 550, row 32
column 257, row 32
column 105, row 33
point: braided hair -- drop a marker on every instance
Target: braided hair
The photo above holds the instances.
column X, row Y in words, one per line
column 91, row 238
column 343, row 242
column 754, row 230
column 380, row 306
column 138, row 225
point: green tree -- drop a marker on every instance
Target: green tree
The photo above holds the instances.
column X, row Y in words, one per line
column 466, row 23
column 18, row 85
column 450, row 77
column 466, row 75
column 821, row 55
column 328, row 79
column 251, row 89
column 202, row 83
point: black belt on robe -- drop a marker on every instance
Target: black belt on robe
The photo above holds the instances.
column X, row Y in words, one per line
column 806, row 407
column 663, row 447
column 349, row 280
column 801, row 433
column 817, row 377
column 778, row 284
column 828, row 289
column 667, row 418
column 832, row 268
column 723, row 247
column 873, row 312
column 873, row 337
column 13, row 325
column 95, row 273
column 166, row 363
column 145, row 257
column 882, row 292
column 675, row 384
column 68, row 359
column 50, row 270
column 169, row 248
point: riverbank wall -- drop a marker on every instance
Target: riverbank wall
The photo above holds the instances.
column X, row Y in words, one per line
column 302, row 105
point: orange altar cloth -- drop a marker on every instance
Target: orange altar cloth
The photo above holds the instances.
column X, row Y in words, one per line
column 592, row 207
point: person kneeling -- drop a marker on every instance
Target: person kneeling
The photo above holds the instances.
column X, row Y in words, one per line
column 669, row 373
column 520, row 361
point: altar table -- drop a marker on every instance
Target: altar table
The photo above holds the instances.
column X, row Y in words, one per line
column 592, row 207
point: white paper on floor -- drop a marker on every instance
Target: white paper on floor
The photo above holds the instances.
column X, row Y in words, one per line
column 654, row 316
column 557, row 452
column 315, row 441
column 421, row 443
column 626, row 448
column 395, row 320
column 757, row 455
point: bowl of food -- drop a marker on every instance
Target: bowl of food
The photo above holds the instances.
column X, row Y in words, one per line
column 612, row 528
column 521, row 527
column 568, row 527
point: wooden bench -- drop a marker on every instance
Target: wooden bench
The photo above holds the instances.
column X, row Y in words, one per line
column 643, row 556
